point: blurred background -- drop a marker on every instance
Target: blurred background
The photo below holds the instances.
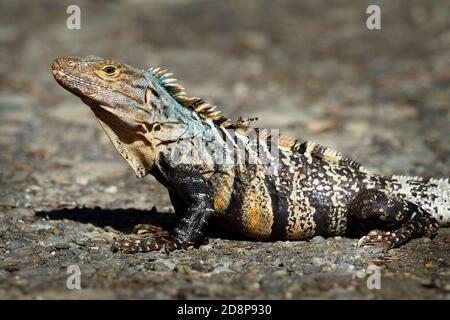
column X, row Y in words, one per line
column 310, row 68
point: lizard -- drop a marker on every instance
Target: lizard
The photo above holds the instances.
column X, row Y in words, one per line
column 252, row 181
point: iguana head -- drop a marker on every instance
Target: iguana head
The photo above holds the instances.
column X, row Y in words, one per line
column 116, row 94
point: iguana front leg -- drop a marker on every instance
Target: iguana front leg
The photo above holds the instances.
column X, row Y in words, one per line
column 194, row 191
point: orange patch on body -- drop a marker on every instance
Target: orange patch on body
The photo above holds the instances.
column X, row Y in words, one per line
column 257, row 217
column 223, row 184
column 254, row 220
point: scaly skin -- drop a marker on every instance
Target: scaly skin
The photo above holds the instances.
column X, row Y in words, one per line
column 250, row 180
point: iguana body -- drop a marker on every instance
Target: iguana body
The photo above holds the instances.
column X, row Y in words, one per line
column 252, row 181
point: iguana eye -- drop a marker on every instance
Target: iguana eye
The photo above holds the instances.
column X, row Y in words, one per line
column 109, row 69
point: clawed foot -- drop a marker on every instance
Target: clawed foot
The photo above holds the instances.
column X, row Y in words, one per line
column 426, row 227
column 387, row 239
column 146, row 237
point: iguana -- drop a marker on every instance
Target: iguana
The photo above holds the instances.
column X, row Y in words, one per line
column 250, row 180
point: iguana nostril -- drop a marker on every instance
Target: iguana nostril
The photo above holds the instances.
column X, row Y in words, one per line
column 56, row 64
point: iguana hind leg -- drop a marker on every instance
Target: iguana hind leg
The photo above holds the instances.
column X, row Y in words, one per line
column 391, row 220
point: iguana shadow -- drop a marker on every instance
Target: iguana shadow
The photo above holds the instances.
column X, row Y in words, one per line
column 124, row 220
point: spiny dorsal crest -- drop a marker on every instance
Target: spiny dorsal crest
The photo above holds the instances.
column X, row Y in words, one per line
column 439, row 180
column 315, row 150
column 327, row 154
column 402, row 178
column 178, row 92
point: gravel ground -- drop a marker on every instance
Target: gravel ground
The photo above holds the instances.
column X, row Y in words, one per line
column 311, row 69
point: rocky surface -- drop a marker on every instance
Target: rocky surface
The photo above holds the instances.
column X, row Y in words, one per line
column 311, row 69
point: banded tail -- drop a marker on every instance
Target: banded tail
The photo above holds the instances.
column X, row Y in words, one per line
column 433, row 195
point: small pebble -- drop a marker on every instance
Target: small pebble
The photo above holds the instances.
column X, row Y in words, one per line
column 280, row 273
column 359, row 274
column 317, row 261
column 109, row 229
column 15, row 244
column 111, row 189
column 41, row 225
column 206, row 247
column 82, row 181
column 81, row 242
column 222, row 270
column 317, row 239
column 164, row 265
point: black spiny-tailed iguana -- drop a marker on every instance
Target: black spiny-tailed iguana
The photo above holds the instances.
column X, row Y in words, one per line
column 250, row 180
